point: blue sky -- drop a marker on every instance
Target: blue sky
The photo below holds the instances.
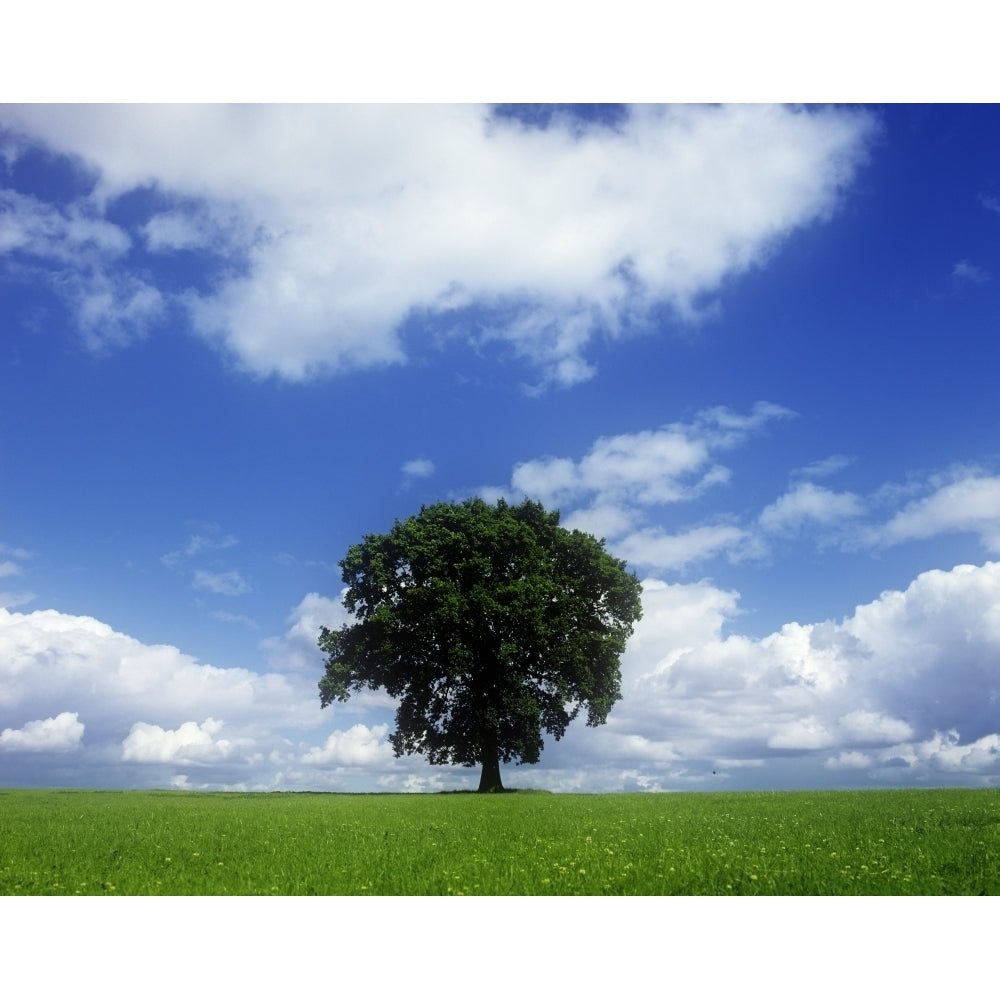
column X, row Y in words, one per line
column 753, row 347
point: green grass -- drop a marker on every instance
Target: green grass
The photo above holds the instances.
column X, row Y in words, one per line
column 926, row 842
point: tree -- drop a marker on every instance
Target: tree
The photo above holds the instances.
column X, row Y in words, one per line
column 490, row 624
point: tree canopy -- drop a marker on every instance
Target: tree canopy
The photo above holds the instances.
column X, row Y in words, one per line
column 489, row 624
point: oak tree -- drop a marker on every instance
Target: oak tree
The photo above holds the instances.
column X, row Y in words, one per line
column 489, row 624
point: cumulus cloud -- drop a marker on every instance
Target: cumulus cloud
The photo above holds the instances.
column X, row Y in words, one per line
column 805, row 503
column 672, row 463
column 148, row 708
column 617, row 489
column 676, row 618
column 941, row 757
column 115, row 680
column 862, row 696
column 655, row 547
column 190, row 743
column 864, row 727
column 297, row 652
column 963, row 499
column 903, row 690
column 849, row 760
column 417, row 468
column 614, row 491
column 945, row 752
column 62, row 733
column 651, row 466
column 353, row 221
column 359, row 746
column 876, row 690
column 297, row 649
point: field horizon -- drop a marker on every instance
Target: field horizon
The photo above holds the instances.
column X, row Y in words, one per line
column 179, row 842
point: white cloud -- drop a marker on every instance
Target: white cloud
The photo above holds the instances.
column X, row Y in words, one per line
column 965, row 271
column 903, row 690
column 230, row 583
column 970, row 504
column 11, row 600
column 65, row 235
column 359, row 746
column 114, row 680
column 192, row 228
column 10, row 568
column 650, row 466
column 352, row 219
column 418, row 468
column 800, row 734
column 850, row 760
column 676, row 618
column 673, row 463
column 190, row 743
column 824, row 467
column 81, row 252
column 208, row 538
column 114, row 309
column 809, row 503
column 297, row 649
column 602, row 520
column 613, row 490
column 64, row 732
column 873, row 689
column 656, row 548
column 947, row 753
column 861, row 695
column 864, row 727
column 172, row 231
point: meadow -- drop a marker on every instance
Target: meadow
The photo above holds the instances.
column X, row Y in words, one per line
column 906, row 842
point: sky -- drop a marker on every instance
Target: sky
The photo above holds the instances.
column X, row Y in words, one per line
column 753, row 347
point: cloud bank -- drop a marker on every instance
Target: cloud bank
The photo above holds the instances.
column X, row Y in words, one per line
column 336, row 232
column 902, row 691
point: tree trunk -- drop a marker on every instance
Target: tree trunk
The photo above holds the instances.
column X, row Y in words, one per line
column 490, row 778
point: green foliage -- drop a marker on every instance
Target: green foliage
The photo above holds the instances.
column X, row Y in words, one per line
column 490, row 624
column 923, row 842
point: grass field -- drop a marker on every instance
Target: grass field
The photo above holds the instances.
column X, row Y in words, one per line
column 926, row 842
